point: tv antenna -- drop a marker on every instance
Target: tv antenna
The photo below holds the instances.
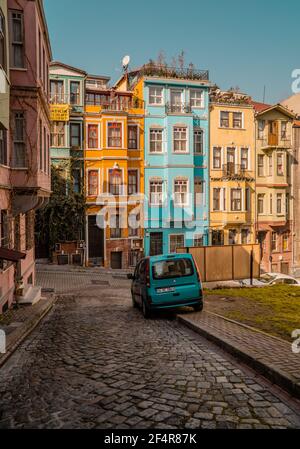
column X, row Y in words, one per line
column 125, row 62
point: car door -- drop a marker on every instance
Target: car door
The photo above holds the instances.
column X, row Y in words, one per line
column 138, row 283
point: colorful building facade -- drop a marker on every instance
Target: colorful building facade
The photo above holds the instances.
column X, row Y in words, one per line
column 274, row 180
column 232, row 169
column 24, row 143
column 176, row 156
column 114, row 171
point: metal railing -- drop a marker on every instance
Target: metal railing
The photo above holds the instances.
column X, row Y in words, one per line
column 163, row 71
column 59, row 99
column 235, row 170
column 121, row 104
column 277, row 141
column 180, row 108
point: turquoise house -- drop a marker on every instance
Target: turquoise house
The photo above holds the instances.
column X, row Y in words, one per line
column 176, row 207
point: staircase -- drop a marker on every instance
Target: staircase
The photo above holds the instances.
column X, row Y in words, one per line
column 31, row 295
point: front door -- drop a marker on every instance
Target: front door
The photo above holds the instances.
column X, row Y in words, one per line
column 156, row 243
column 284, row 268
column 96, row 239
column 116, row 260
column 273, row 133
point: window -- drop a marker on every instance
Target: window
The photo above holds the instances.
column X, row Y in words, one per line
column 279, row 203
column 244, row 158
column 197, row 98
column 232, row 237
column 75, row 135
column 217, row 238
column 4, row 229
column 156, row 140
column 280, row 164
column 155, row 95
column 261, row 165
column 284, row 130
column 19, row 147
column 2, row 42
column 270, row 159
column 41, row 145
column 45, row 150
column 156, row 193
column 3, row 145
column 176, row 241
column 180, row 140
column 58, row 135
column 133, row 228
column 57, row 92
column 114, row 135
column 76, row 178
column 274, row 241
column 285, row 241
column 94, row 99
column 93, row 136
column 93, row 182
column 132, row 182
column 199, row 192
column 260, row 203
column 261, row 129
column 17, row 39
column 115, row 182
column 198, row 141
column 75, row 92
column 217, row 158
column 171, row 269
column 115, row 229
column 177, row 104
column 245, row 234
column 198, row 240
column 132, row 137
column 287, row 204
column 236, row 200
column 224, row 119
column 237, row 120
column 271, row 204
column 216, row 199
column 40, row 54
column 181, row 192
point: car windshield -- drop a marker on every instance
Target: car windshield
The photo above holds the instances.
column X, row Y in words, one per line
column 266, row 278
column 174, row 268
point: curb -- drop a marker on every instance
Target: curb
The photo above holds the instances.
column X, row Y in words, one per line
column 17, row 337
column 276, row 376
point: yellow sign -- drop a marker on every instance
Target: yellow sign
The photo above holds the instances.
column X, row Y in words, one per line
column 59, row 113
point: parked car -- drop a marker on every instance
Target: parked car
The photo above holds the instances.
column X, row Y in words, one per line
column 272, row 279
column 166, row 282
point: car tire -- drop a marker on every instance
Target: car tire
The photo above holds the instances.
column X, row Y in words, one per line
column 146, row 311
column 198, row 307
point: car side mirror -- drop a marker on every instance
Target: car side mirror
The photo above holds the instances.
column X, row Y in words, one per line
column 130, row 276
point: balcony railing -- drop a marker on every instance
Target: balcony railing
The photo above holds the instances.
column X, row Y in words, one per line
column 121, row 104
column 276, row 141
column 59, row 99
column 96, row 85
column 180, row 108
column 163, row 71
column 231, row 170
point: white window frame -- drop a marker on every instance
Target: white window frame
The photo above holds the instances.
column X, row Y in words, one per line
column 220, row 123
column 248, row 157
column 161, row 103
column 157, row 181
column 156, row 130
column 238, row 189
column 175, row 235
column 263, row 196
column 181, row 180
column 122, row 181
column 122, row 137
column 181, row 128
column 80, row 91
column 202, row 98
column 137, row 178
column 87, row 135
column 199, row 180
column 137, row 136
column 87, row 183
column 213, row 161
column 197, row 237
column 242, row 119
column 199, row 130
column 54, row 127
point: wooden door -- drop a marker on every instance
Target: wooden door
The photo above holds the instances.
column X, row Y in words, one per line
column 273, row 133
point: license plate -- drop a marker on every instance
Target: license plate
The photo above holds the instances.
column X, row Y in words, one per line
column 165, row 290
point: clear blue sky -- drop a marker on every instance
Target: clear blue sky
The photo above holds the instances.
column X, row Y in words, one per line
column 243, row 43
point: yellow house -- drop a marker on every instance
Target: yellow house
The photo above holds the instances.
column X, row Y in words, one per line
column 232, row 169
column 114, row 168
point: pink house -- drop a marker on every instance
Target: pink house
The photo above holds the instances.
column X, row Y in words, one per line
column 25, row 163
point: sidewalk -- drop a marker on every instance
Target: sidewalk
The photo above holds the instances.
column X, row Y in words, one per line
column 19, row 323
column 270, row 356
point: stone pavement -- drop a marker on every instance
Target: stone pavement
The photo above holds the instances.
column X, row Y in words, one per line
column 94, row 362
column 271, row 356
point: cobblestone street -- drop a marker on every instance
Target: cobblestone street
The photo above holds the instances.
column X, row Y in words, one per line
column 94, row 362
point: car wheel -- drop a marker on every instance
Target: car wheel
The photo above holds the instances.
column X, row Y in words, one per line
column 146, row 310
column 198, row 307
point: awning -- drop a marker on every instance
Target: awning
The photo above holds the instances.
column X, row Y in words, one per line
column 11, row 255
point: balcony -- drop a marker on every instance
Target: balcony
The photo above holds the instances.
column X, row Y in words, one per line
column 178, row 108
column 276, row 141
column 96, row 85
column 235, row 171
column 121, row 104
column 162, row 71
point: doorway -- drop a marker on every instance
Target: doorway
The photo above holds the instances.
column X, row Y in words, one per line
column 96, row 239
column 116, row 260
column 156, row 243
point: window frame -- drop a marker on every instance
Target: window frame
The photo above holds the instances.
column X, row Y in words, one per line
column 113, row 139
column 3, row 41
column 179, row 246
column 94, row 139
column 222, row 119
column 74, row 125
column 199, row 131
column 202, row 100
column 95, row 170
column 235, row 201
column 3, row 145
column 136, row 181
column 219, row 158
column 181, row 129
column 182, row 182
column 156, row 131
column 156, row 194
column 14, row 44
column 133, row 125
column 161, row 96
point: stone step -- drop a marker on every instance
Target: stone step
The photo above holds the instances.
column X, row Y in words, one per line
column 32, row 295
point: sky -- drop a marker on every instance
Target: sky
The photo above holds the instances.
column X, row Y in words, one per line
column 249, row 44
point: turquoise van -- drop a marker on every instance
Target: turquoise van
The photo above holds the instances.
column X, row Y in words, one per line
column 166, row 282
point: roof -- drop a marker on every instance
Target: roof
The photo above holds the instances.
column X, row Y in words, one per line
column 11, row 255
column 259, row 107
column 69, row 67
column 297, row 123
column 293, row 103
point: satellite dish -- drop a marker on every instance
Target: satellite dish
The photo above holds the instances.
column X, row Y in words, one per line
column 125, row 62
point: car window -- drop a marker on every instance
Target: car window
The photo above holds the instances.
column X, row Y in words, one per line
column 142, row 271
column 290, row 281
column 170, row 269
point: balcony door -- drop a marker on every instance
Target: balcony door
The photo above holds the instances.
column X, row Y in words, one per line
column 57, row 91
column 230, row 160
column 273, row 133
column 176, row 101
